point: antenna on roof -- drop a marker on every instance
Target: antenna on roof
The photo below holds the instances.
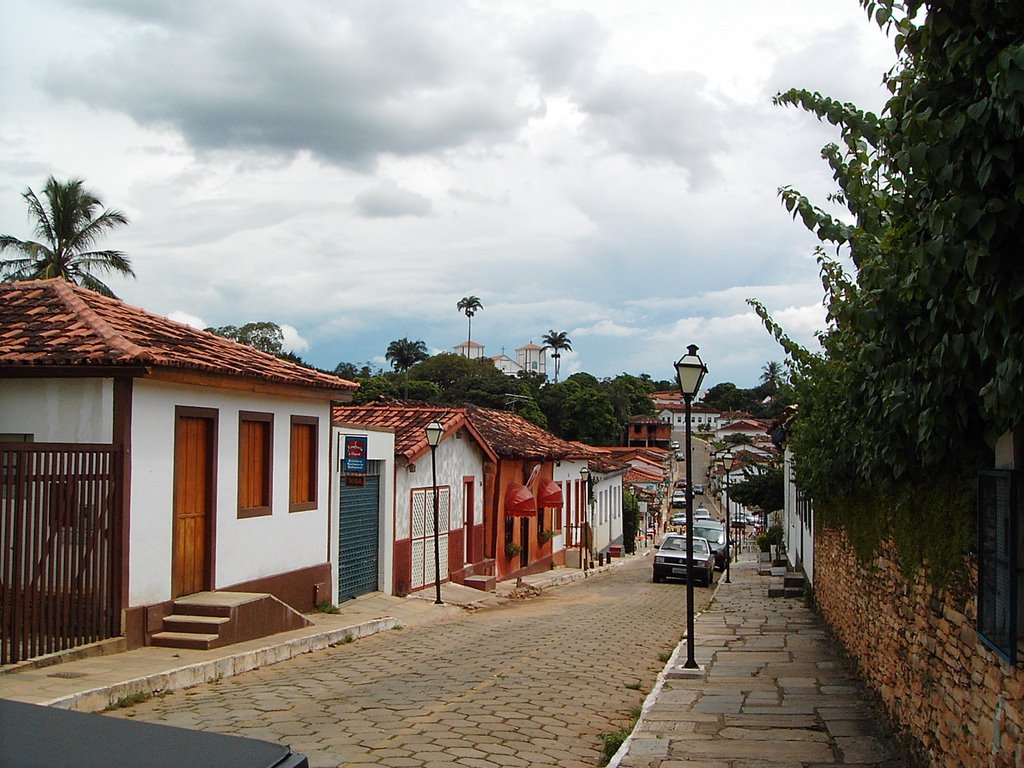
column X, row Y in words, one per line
column 511, row 400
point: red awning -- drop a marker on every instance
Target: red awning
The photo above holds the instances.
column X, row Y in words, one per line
column 549, row 494
column 519, row 502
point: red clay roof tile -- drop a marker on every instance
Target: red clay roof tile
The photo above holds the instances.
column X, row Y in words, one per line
column 56, row 323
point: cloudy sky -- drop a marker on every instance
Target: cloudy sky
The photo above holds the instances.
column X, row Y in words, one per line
column 350, row 170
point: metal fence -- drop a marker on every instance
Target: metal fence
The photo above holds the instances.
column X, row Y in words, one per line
column 60, row 547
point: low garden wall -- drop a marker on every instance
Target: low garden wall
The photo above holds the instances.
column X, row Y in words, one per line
column 918, row 650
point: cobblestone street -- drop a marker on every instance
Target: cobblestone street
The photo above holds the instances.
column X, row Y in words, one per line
column 530, row 683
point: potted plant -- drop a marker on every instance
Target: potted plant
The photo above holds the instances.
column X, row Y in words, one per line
column 547, row 535
column 512, row 549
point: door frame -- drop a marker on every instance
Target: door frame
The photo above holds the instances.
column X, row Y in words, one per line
column 211, row 416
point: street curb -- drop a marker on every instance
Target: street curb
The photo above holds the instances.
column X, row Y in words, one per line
column 105, row 697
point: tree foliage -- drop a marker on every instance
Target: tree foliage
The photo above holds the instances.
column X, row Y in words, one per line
column 762, row 488
column 264, row 336
column 921, row 364
column 557, row 341
column 469, row 305
column 68, row 223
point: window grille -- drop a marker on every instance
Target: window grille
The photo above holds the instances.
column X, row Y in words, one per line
column 999, row 572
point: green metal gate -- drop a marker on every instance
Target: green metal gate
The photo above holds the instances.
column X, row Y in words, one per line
column 359, row 537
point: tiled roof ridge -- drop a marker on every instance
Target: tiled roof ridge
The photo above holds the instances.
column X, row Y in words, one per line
column 114, row 340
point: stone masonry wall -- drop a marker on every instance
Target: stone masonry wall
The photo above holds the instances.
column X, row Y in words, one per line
column 920, row 653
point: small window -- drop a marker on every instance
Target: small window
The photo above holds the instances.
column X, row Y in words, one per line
column 999, row 569
column 255, row 463
column 303, row 475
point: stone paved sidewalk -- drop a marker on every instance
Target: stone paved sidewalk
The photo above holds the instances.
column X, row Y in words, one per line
column 773, row 692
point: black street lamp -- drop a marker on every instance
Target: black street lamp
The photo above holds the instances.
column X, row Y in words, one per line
column 690, row 370
column 727, row 460
column 585, row 518
column 434, row 432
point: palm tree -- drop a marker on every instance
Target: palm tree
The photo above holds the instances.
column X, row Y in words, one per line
column 470, row 305
column 557, row 341
column 67, row 225
column 771, row 376
column 404, row 354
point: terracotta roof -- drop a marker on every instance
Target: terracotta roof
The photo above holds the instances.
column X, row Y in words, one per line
column 635, row 475
column 55, row 323
column 512, row 436
column 408, row 422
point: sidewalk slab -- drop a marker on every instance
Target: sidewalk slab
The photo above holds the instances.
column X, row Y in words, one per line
column 771, row 689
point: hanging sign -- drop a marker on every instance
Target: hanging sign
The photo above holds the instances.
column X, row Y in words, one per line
column 355, row 454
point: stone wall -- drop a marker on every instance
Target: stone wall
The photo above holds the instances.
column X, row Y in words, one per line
column 918, row 650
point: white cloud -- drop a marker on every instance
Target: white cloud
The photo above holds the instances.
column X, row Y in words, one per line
column 351, row 170
column 293, row 341
column 187, row 319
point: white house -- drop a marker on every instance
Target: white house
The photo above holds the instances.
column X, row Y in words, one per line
column 217, row 460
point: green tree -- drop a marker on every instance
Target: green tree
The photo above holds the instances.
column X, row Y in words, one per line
column 921, row 365
column 68, row 223
column 771, row 376
column 557, row 341
column 762, row 488
column 469, row 305
column 352, row 371
column 264, row 336
column 403, row 354
column 630, row 396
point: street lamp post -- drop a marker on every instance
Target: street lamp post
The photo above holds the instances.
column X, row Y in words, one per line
column 584, row 518
column 434, row 432
column 690, row 370
column 727, row 460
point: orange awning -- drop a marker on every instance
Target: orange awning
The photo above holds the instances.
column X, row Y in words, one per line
column 549, row 494
column 519, row 502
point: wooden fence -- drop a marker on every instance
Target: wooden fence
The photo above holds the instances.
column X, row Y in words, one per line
column 60, row 547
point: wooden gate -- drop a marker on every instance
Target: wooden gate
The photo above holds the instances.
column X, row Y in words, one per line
column 60, row 547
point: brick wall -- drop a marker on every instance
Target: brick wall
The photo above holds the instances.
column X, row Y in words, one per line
column 918, row 650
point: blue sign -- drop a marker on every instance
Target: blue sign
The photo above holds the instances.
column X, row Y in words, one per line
column 355, row 454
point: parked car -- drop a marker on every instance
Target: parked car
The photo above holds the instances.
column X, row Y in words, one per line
column 678, row 499
column 714, row 532
column 675, row 445
column 680, row 483
column 701, row 513
column 670, row 560
column 680, row 456
column 678, row 519
column 698, row 489
column 33, row 735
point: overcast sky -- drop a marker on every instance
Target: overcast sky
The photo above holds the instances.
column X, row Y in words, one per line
column 350, row 170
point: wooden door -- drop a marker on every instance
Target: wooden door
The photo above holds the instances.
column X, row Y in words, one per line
column 192, row 559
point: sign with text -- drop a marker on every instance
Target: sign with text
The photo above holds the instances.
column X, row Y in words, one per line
column 355, row 454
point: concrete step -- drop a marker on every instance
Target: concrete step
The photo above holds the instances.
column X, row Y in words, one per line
column 209, row 625
column 193, row 640
column 483, row 583
column 795, row 580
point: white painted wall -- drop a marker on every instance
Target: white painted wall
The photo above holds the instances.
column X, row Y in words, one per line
column 81, row 410
column 245, row 549
column 607, row 518
column 567, row 473
column 458, row 456
column 58, row 410
column 380, row 446
column 799, row 540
